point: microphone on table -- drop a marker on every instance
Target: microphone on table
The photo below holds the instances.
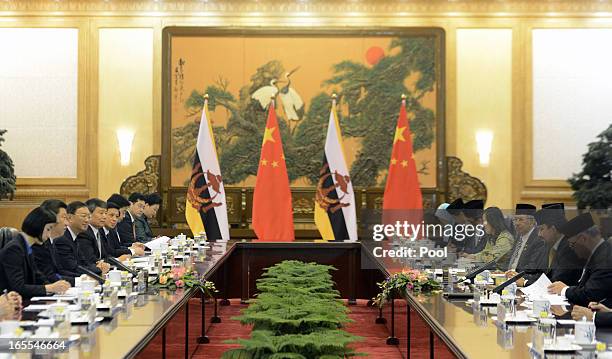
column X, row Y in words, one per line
column 489, row 265
column 121, row 266
column 472, row 275
column 91, row 274
column 518, row 276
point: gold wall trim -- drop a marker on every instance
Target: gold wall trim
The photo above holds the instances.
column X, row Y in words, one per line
column 524, row 8
column 531, row 188
column 85, row 163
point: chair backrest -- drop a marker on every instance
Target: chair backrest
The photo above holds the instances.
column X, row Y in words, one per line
column 6, row 234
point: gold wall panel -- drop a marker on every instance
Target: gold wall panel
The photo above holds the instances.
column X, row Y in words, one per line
column 91, row 15
column 125, row 102
column 484, row 102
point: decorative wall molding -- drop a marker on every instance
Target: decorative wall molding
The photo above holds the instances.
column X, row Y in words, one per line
column 145, row 181
column 396, row 8
column 461, row 184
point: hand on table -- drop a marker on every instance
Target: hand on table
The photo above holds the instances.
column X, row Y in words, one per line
column 138, row 251
column 15, row 299
column 580, row 312
column 558, row 310
column 556, row 288
column 103, row 266
column 59, row 287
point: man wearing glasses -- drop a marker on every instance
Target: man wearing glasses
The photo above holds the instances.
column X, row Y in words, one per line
column 66, row 246
column 528, row 247
column 595, row 284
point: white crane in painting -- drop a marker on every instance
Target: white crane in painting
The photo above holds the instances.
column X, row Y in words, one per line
column 265, row 93
column 292, row 102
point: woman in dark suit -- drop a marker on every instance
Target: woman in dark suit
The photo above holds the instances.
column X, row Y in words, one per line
column 17, row 269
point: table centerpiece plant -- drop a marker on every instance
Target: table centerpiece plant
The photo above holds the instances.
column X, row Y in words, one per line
column 408, row 280
column 175, row 278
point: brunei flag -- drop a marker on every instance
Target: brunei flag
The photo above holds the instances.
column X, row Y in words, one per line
column 335, row 214
column 206, row 209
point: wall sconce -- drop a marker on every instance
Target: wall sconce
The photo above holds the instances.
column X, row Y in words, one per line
column 125, row 138
column 484, row 140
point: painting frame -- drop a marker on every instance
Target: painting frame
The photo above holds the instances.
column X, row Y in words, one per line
column 241, row 197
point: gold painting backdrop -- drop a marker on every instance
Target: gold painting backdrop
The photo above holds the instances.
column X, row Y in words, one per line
column 369, row 72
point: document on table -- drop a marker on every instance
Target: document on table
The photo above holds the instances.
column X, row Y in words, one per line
column 157, row 243
column 539, row 288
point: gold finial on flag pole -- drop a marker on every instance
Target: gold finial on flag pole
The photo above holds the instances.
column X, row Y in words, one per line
column 206, row 96
column 403, row 96
column 334, row 98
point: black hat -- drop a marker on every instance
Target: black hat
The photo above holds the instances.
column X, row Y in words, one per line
column 455, row 206
column 577, row 225
column 473, row 208
column 525, row 209
column 557, row 205
column 551, row 216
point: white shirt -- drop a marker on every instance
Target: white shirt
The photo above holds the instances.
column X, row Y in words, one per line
column 95, row 231
column 72, row 234
column 98, row 239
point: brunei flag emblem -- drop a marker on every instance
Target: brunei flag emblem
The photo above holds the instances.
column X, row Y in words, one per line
column 335, row 214
column 206, row 209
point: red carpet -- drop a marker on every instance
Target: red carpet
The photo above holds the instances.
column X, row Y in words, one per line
column 373, row 343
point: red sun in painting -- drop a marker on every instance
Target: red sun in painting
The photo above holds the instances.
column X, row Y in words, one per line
column 374, row 55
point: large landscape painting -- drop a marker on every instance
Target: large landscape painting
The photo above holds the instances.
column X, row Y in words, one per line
column 369, row 71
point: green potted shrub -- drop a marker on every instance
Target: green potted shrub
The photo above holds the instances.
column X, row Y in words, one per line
column 7, row 173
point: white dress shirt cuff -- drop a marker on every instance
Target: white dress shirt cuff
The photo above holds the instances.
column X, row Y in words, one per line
column 563, row 292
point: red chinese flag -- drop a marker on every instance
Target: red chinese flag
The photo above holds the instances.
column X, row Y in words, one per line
column 403, row 198
column 272, row 208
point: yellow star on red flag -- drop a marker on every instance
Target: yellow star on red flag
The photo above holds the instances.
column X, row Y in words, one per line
column 399, row 134
column 268, row 135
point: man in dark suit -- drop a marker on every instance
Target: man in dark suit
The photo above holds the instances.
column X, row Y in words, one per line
column 473, row 210
column 143, row 229
column 113, row 242
column 17, row 269
column 66, row 246
column 528, row 247
column 455, row 209
column 127, row 227
column 91, row 242
column 595, row 283
column 558, row 261
column 120, row 201
column 45, row 256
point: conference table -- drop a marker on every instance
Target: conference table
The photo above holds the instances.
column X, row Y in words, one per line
column 163, row 323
